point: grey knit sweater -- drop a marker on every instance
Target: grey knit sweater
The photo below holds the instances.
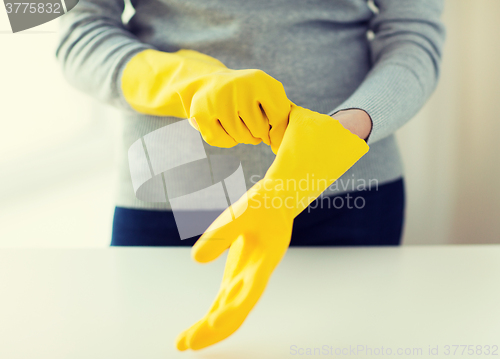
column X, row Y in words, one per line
column 381, row 56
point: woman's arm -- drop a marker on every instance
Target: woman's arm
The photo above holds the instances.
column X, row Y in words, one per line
column 406, row 54
column 94, row 46
column 356, row 121
column 100, row 57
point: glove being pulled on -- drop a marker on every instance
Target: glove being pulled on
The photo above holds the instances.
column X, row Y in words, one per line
column 315, row 148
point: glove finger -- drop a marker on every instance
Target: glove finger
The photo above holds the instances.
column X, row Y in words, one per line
column 184, row 340
column 202, row 335
column 255, row 120
column 204, row 114
column 237, row 129
column 278, row 115
column 216, row 239
column 242, row 291
column 213, row 133
column 181, row 341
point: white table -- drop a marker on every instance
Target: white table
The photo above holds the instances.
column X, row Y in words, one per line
column 132, row 302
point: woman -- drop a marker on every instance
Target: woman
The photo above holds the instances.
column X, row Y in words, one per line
column 370, row 65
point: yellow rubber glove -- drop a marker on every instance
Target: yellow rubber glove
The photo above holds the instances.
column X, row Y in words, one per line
column 316, row 150
column 228, row 106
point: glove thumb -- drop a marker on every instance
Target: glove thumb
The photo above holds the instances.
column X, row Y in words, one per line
column 216, row 239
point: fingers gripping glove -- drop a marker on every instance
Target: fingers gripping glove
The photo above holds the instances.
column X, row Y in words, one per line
column 316, row 150
column 227, row 106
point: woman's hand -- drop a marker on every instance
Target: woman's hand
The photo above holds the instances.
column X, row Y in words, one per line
column 227, row 106
column 355, row 120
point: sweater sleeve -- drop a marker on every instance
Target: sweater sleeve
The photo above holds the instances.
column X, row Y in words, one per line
column 94, row 46
column 406, row 54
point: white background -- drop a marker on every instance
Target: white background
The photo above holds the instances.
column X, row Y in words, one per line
column 57, row 168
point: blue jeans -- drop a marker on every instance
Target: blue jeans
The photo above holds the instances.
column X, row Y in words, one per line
column 360, row 218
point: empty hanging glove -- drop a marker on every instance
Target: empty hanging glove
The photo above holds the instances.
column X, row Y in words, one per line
column 316, row 150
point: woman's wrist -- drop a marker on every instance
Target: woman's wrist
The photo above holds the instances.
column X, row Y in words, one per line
column 355, row 120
